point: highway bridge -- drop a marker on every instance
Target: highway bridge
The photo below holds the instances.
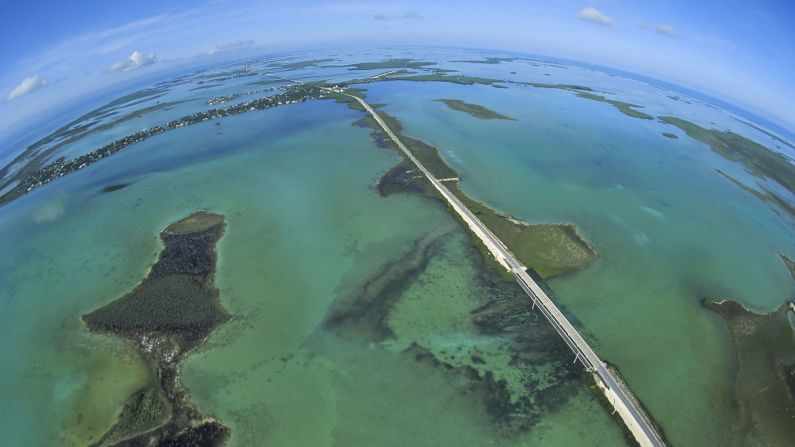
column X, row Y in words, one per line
column 619, row 397
column 632, row 416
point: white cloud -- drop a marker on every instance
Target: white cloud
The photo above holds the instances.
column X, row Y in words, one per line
column 592, row 14
column 28, row 85
column 666, row 30
column 136, row 60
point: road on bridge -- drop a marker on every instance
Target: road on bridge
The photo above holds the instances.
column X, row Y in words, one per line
column 632, row 416
column 618, row 397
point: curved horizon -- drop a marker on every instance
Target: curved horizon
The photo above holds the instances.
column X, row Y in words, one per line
column 698, row 48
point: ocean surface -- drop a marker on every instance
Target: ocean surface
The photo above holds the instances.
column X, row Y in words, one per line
column 308, row 238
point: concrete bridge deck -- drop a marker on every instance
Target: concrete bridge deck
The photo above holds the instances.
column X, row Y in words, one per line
column 632, row 416
column 619, row 398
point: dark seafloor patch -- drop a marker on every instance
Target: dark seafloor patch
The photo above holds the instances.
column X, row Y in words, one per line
column 116, row 187
column 167, row 315
column 503, row 314
column 365, row 313
column 764, row 392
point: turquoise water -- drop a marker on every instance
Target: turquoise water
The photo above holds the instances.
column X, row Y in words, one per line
column 670, row 232
column 305, row 229
column 307, row 237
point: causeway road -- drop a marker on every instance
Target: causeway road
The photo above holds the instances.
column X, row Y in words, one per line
column 632, row 416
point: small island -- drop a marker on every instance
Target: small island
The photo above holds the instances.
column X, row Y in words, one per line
column 549, row 250
column 115, row 187
column 758, row 160
column 626, row 108
column 391, row 63
column 170, row 313
column 474, row 110
column 670, row 135
column 38, row 173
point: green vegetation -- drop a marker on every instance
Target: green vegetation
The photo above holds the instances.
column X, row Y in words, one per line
column 350, row 102
column 265, row 82
column 204, row 86
column 764, row 391
column 625, row 107
column 143, row 412
column 463, row 80
column 489, row 60
column 425, row 153
column 165, row 317
column 572, row 87
column 585, row 92
column 301, row 64
column 404, row 178
column 396, row 73
column 771, row 135
column 757, row 159
column 670, row 135
column 549, row 249
column 392, row 63
column 34, row 175
column 475, row 110
column 77, row 133
column 436, row 77
column 765, row 195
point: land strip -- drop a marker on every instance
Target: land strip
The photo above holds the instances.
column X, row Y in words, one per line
column 474, row 110
column 764, row 373
column 635, row 420
column 168, row 315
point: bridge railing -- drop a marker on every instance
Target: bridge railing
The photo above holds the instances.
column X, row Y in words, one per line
column 579, row 354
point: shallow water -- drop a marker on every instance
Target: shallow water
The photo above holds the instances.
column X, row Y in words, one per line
column 669, row 229
column 308, row 238
column 304, row 229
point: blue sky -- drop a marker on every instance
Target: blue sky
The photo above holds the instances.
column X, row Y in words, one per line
column 53, row 52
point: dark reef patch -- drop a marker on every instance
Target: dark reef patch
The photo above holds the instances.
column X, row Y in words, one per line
column 790, row 265
column 509, row 340
column 170, row 313
column 403, row 178
column 116, row 187
column 764, row 392
column 366, row 313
